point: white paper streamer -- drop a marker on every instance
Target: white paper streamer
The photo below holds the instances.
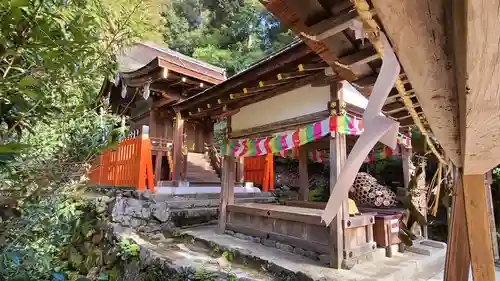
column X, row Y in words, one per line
column 124, row 90
column 377, row 128
column 359, row 31
column 117, row 79
column 145, row 91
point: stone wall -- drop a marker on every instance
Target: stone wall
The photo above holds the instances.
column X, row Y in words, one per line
column 150, row 213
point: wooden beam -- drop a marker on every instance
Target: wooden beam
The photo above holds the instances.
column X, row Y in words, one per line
column 399, row 109
column 417, row 32
column 312, row 66
column 282, row 125
column 288, row 56
column 457, row 254
column 478, row 228
column 303, row 174
column 314, row 10
column 253, row 98
column 360, row 57
column 365, row 81
column 396, row 98
column 227, row 188
column 178, row 142
column 290, row 15
column 291, row 75
column 475, row 25
column 331, row 26
column 491, row 214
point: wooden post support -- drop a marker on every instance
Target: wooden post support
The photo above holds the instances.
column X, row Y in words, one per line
column 406, row 153
column 178, row 143
column 303, row 174
column 240, row 177
column 478, row 228
column 491, row 214
column 227, row 191
column 227, row 188
column 337, row 158
column 457, row 253
column 158, row 170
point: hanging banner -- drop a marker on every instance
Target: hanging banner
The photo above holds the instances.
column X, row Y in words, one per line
column 323, row 156
column 345, row 124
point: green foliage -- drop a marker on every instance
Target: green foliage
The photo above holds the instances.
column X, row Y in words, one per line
column 54, row 56
column 231, row 34
column 202, row 274
column 127, row 249
column 42, row 240
column 228, row 255
column 219, row 135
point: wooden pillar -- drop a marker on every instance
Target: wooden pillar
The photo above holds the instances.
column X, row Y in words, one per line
column 406, row 158
column 153, row 130
column 240, row 176
column 338, row 155
column 178, row 144
column 158, row 169
column 303, row 174
column 227, row 187
column 457, row 253
column 491, row 214
column 478, row 228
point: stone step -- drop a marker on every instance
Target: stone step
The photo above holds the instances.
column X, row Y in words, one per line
column 401, row 267
column 186, row 204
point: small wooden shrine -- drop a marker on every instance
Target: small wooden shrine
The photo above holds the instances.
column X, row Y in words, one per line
column 151, row 80
column 293, row 100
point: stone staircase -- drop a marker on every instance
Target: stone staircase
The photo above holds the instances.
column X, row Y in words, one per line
column 199, row 169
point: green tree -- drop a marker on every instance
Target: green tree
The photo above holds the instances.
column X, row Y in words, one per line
column 54, row 56
column 231, row 34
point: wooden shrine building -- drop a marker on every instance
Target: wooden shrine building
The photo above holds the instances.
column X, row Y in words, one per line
column 445, row 54
column 151, row 79
column 296, row 91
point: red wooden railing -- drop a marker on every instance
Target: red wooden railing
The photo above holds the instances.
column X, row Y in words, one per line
column 260, row 171
column 129, row 165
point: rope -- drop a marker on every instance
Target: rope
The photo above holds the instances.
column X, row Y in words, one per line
column 372, row 31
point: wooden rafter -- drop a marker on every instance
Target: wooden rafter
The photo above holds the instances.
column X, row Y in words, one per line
column 291, row 75
column 296, row 18
column 311, row 66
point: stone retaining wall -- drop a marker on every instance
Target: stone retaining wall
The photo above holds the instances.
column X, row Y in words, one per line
column 282, row 246
column 150, row 213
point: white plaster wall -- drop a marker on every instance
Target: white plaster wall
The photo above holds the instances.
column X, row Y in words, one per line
column 298, row 102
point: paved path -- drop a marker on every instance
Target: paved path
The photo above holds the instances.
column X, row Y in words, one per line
column 401, row 267
column 439, row 277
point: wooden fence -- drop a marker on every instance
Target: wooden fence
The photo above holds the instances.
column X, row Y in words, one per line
column 128, row 165
column 260, row 171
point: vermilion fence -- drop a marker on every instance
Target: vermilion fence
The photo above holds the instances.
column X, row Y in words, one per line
column 260, row 170
column 129, row 165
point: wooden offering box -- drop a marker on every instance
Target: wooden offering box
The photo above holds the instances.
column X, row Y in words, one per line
column 383, row 222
